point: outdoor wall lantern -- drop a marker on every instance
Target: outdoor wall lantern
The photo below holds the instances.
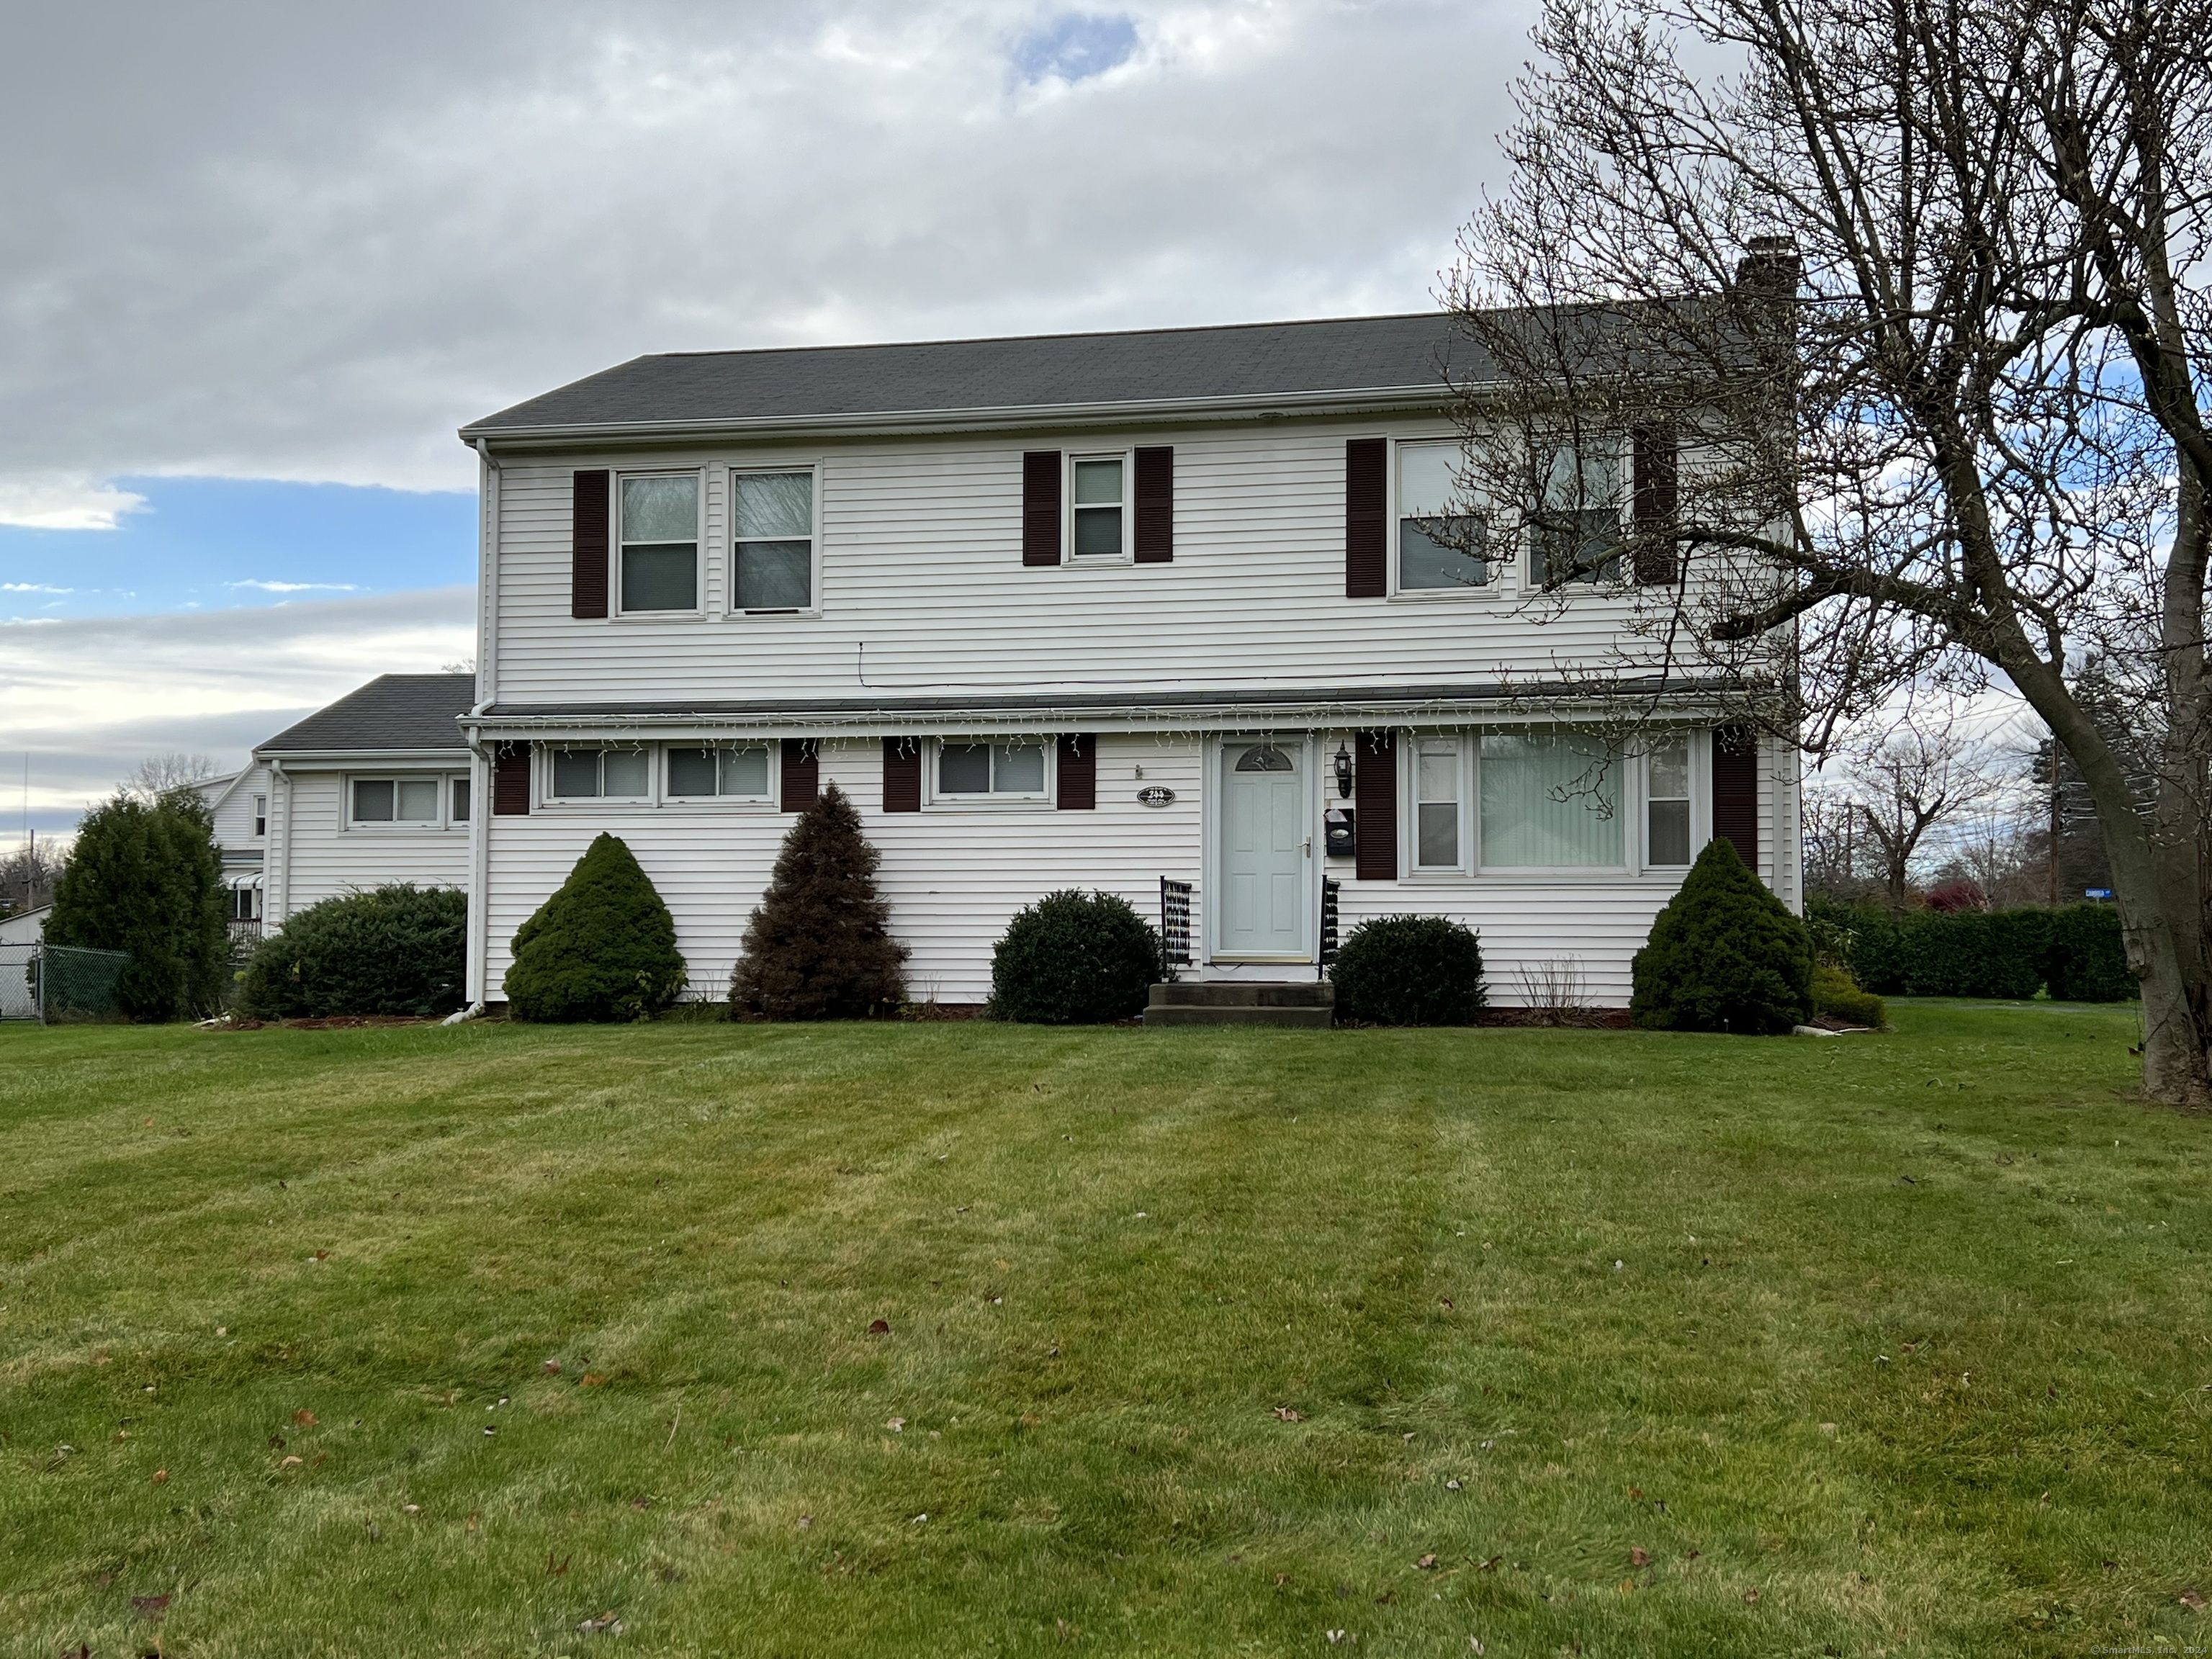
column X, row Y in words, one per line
column 1343, row 771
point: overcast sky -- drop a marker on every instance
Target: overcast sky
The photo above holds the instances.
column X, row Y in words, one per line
column 271, row 250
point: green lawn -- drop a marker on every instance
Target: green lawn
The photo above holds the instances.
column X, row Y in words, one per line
column 1200, row 1341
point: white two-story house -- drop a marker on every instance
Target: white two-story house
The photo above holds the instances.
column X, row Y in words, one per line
column 1164, row 613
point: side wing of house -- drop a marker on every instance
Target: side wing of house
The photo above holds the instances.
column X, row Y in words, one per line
column 375, row 789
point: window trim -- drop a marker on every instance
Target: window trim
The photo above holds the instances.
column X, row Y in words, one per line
column 933, row 798
column 617, row 548
column 260, row 804
column 1068, row 557
column 1504, row 562
column 1700, row 742
column 1466, row 745
column 663, row 796
column 444, row 823
column 730, row 609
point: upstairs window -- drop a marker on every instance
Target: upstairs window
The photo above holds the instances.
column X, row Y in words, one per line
column 708, row 773
column 260, row 815
column 1549, row 802
column 1576, row 534
column 1667, row 802
column 1436, row 551
column 659, row 552
column 1098, row 503
column 774, row 549
column 967, row 770
column 395, row 800
column 602, row 774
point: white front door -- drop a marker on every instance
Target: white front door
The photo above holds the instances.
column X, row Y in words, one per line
column 1265, row 851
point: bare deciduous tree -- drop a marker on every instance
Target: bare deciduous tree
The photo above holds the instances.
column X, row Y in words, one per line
column 28, row 877
column 1916, row 286
column 1907, row 784
column 160, row 775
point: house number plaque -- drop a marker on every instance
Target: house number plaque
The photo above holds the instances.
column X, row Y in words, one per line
column 1155, row 796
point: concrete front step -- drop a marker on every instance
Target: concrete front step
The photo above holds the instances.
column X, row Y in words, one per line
column 1241, row 1002
column 1318, row 1018
column 1242, row 993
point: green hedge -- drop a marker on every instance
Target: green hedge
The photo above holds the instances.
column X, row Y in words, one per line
column 2075, row 952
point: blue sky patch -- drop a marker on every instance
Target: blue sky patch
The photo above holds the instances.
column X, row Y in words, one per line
column 214, row 543
column 1075, row 47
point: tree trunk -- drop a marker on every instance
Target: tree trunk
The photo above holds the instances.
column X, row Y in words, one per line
column 2157, row 889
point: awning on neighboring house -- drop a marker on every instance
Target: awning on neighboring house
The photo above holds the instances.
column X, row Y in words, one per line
column 244, row 881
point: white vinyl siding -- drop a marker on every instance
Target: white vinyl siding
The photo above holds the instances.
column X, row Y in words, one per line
column 324, row 854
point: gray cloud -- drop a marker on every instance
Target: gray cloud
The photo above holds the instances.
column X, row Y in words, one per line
column 308, row 242
column 88, row 697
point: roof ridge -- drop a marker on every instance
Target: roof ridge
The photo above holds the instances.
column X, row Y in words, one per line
column 1077, row 334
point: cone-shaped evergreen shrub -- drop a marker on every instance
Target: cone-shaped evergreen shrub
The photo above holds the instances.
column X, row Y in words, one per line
column 145, row 877
column 819, row 946
column 602, row 948
column 1409, row 971
column 400, row 950
column 1074, row 958
column 1725, row 955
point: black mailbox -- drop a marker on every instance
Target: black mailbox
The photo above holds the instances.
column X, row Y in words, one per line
column 1338, row 837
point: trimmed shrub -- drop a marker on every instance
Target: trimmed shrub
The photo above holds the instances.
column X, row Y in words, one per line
column 1409, row 971
column 2084, row 959
column 602, row 948
column 400, row 950
column 1074, row 958
column 819, row 946
column 1835, row 991
column 145, row 877
column 1725, row 955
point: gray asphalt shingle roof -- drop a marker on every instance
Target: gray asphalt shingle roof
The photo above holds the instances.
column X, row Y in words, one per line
column 1251, row 360
column 392, row 712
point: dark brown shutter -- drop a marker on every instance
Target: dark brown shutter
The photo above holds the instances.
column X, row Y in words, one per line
column 588, row 572
column 1657, row 561
column 1155, row 505
column 1736, row 790
column 802, row 774
column 510, row 781
column 1040, row 506
column 902, row 774
column 1366, row 557
column 1375, row 793
column 1078, row 772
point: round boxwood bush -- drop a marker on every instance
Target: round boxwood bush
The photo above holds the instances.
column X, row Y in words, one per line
column 1725, row 955
column 399, row 950
column 1074, row 958
column 1409, row 971
column 602, row 948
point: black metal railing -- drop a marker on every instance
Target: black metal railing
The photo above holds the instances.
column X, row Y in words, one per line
column 1175, row 926
column 1330, row 886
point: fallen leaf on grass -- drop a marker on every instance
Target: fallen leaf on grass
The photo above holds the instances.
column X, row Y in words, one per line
column 1288, row 1415
column 151, row 1607
column 605, row 1621
column 896, row 1425
column 2193, row 1600
column 879, row 1327
column 1491, row 1566
column 1336, row 1637
column 592, row 1379
column 1455, row 1486
column 552, row 1368
column 304, row 1417
column 1426, row 1564
column 1638, row 1556
column 161, row 1477
column 552, row 1571
column 292, row 1462
column 1751, row 1596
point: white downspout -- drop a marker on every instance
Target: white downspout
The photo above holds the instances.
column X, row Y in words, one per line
column 480, row 786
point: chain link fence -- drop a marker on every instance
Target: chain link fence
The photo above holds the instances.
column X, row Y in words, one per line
column 54, row 982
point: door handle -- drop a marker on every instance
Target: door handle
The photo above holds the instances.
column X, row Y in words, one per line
column 1309, row 847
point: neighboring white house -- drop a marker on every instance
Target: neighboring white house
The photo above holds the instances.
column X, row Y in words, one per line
column 372, row 790
column 1105, row 611
column 25, row 926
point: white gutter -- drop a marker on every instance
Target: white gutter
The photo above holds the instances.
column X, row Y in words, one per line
column 870, row 423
